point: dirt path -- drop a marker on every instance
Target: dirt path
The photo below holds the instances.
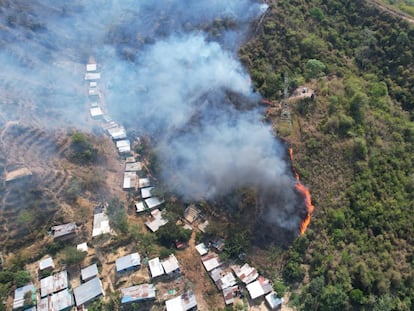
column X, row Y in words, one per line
column 391, row 10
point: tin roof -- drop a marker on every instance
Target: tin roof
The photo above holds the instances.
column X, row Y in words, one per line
column 62, row 230
column 201, row 249
column 19, row 293
column 53, row 283
column 138, row 293
column 245, row 273
column 46, row 263
column 259, row 287
column 170, row 264
column 88, row 291
column 100, row 224
column 56, row 302
column 128, row 261
column 155, row 267
column 184, row 302
column 89, row 272
column 211, row 262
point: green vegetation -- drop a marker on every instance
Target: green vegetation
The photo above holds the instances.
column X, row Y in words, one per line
column 72, row 256
column 354, row 147
column 170, row 233
column 117, row 215
column 82, row 149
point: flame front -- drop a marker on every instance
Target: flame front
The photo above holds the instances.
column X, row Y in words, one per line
column 306, row 194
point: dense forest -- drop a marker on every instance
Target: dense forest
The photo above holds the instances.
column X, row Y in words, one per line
column 354, row 147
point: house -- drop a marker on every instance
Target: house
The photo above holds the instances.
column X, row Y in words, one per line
column 133, row 167
column 144, row 182
column 146, row 192
column 218, row 244
column 128, row 263
column 171, row 266
column 156, row 221
column 153, row 202
column 93, row 84
column 130, row 180
column 89, row 272
column 124, row 146
column 93, row 91
column 96, row 112
column 211, row 262
column 246, row 274
column 191, row 214
column 17, row 174
column 273, row 302
column 24, row 297
column 46, row 264
column 260, row 287
column 140, row 206
column 83, row 247
column 155, row 267
column 64, row 231
column 100, row 224
column 138, row 293
column 92, row 76
column 88, row 292
column 59, row 301
column 91, row 67
column 185, row 302
column 202, row 227
column 116, row 131
column 222, row 279
column 53, row 283
column 229, row 293
column 201, row 249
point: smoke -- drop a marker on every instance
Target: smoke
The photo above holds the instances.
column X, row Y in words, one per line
column 169, row 70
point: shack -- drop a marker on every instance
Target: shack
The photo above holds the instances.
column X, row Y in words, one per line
column 88, row 292
column 128, row 263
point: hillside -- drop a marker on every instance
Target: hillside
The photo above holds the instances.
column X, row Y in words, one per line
column 353, row 146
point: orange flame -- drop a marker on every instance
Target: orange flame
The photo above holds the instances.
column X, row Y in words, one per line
column 306, row 194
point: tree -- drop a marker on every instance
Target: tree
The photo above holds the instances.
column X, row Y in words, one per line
column 72, row 256
column 21, row 278
column 333, row 298
column 171, row 233
column 314, row 69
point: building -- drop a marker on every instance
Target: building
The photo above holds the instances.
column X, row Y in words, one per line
column 260, row 287
column 133, row 167
column 59, row 301
column 92, row 76
column 130, row 180
column 91, row 67
column 24, row 297
column 273, row 302
column 140, row 206
column 155, row 267
column 246, row 274
column 153, row 202
column 223, row 279
column 128, row 263
column 202, row 227
column 138, row 293
column 124, row 146
column 191, row 214
column 89, row 272
column 96, row 112
column 144, row 182
column 116, row 131
column 64, row 231
column 146, row 192
column 201, row 249
column 185, row 302
column 218, row 244
column 229, row 293
column 100, row 224
column 83, row 247
column 156, row 221
column 170, row 265
column 46, row 264
column 88, row 292
column 53, row 283
column 211, row 261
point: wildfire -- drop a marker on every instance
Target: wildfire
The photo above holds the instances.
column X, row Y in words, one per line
column 306, row 194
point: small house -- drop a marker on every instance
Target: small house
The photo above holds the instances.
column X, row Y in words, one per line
column 128, row 263
column 90, row 67
column 156, row 221
column 201, row 249
column 88, row 292
column 24, row 297
column 144, row 182
column 222, row 278
column 46, row 264
column 146, row 192
column 138, row 293
column 64, row 231
column 191, row 214
column 140, row 207
column 100, row 224
column 171, row 266
column 245, row 273
column 53, row 283
column 211, row 262
column 273, row 301
column 117, row 131
column 89, row 272
column 185, row 302
column 229, row 293
column 96, row 112
column 124, row 146
column 155, row 267
column 260, row 287
column 130, row 180
column 153, row 202
column 91, row 76
column 60, row 301
column 83, row 247
column 133, row 167
column 202, row 227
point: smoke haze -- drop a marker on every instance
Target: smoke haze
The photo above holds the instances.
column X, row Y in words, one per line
column 170, row 70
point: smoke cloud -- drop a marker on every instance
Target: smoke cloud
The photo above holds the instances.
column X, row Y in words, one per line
column 169, row 70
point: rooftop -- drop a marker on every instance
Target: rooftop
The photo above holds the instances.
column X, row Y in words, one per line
column 53, row 283
column 155, row 267
column 96, row 112
column 146, row 192
column 259, row 287
column 46, row 263
column 203, row 226
column 56, row 302
column 140, row 206
column 191, row 213
column 229, row 293
column 170, row 264
column 156, row 220
column 19, row 293
column 138, row 293
column 123, row 145
column 92, row 76
column 130, row 180
column 184, row 302
column 133, row 166
column 100, row 224
column 201, row 249
column 83, row 247
column 63, row 230
column 89, row 272
column 117, row 132
column 127, row 262
column 88, row 291
column 246, row 274
column 273, row 300
column 144, row 182
column 211, row 261
column 91, row 67
column 153, row 202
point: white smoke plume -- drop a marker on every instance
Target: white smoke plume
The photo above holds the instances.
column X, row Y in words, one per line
column 170, row 70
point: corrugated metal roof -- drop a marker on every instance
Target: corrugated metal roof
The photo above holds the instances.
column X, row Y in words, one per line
column 155, row 267
column 153, row 202
column 54, row 283
column 273, row 301
column 146, row 192
column 245, row 273
column 170, row 264
column 201, row 249
column 184, row 302
column 62, row 230
column 46, row 263
column 89, row 272
column 259, row 288
column 100, row 224
column 138, row 293
column 211, row 262
column 129, row 261
column 19, row 293
column 56, row 302
column 88, row 291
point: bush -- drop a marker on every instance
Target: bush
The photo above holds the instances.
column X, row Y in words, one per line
column 171, row 233
column 72, row 256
